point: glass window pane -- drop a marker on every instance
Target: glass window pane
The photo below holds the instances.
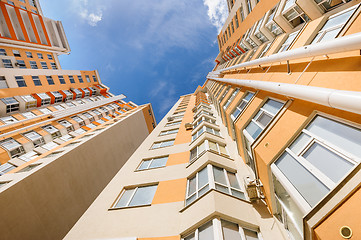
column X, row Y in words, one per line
column 346, row 137
column 144, row 165
column 272, row 106
column 192, row 186
column 158, row 162
column 201, row 147
column 125, row 198
column 213, row 146
column 250, row 235
column 305, row 183
column 206, row 232
column 300, row 143
column 254, row 130
column 222, row 188
column 203, row 191
column 202, row 178
column 219, row 175
column 223, row 150
column 233, row 180
column 230, row 231
column 340, row 19
column 264, row 119
column 190, row 237
column 143, row 196
column 332, row 165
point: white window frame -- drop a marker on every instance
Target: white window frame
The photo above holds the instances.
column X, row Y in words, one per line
column 35, row 138
column 163, row 144
column 230, row 99
column 131, row 197
column 204, row 129
column 151, row 160
column 167, row 132
column 243, row 100
column 14, row 148
column 173, row 123
column 207, row 148
column 55, row 133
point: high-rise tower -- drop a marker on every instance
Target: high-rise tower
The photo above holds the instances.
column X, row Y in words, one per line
column 268, row 148
column 63, row 135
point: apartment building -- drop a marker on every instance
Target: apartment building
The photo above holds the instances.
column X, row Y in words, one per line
column 269, row 146
column 63, row 134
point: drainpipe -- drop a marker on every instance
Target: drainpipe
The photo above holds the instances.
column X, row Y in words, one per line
column 339, row 99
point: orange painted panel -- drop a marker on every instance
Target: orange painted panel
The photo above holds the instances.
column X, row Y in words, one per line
column 4, row 156
column 170, row 191
column 183, row 135
column 19, row 116
column 347, row 214
column 37, row 112
column 149, row 120
column 178, row 158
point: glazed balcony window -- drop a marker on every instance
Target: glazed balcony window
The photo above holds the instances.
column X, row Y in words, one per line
column 204, row 119
column 45, row 99
column 79, row 120
column 12, row 105
column 287, row 43
column 35, row 137
column 228, row 231
column 8, row 120
column 334, row 25
column 58, row 96
column 55, row 133
column 13, row 147
column 208, row 145
column 327, row 5
column 294, row 14
column 205, row 129
column 230, row 99
column 321, row 156
column 69, row 127
column 258, row 124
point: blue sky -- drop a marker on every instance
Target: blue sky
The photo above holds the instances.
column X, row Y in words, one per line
column 150, row 50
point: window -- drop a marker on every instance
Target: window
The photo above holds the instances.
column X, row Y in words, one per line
column 153, row 163
column 236, row 20
column 28, row 115
column 50, row 80
column 205, row 119
column 28, row 156
column 173, row 123
column 87, row 78
column 3, row 83
column 14, row 148
column 80, row 79
column 89, row 116
column 8, row 119
column 293, row 13
column 242, row 105
column 162, row 133
column 16, row 53
column 162, row 144
column 265, row 49
column 45, row 99
column 333, row 25
column 44, row 65
column 20, row 63
column 35, row 137
column 50, row 57
column 36, row 80
column 79, row 120
column 258, row 124
column 224, row 94
column 203, row 112
column 230, row 99
column 7, row 63
column 29, row 54
column 45, row 111
column 2, row 52
column 71, row 78
column 249, row 6
column 40, row 55
column 20, row 81
column 33, row 65
column 138, row 196
column 95, row 78
column 58, row 97
column 69, row 95
column 30, row 101
column 212, row 177
column 207, row 145
column 78, row 93
column 205, row 129
column 69, row 127
column 241, row 14
column 52, row 130
column 86, row 92
column 285, row 46
column 53, row 66
column 61, row 79
column 6, row 167
column 11, row 103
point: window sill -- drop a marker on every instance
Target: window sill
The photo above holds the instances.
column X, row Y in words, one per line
column 207, row 193
column 119, row 208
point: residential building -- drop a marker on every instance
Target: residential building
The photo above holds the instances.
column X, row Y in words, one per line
column 63, row 134
column 269, row 146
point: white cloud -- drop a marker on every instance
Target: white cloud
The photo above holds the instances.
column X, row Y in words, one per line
column 217, row 12
column 91, row 12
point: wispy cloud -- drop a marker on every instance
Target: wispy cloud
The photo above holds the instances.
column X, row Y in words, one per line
column 88, row 10
column 165, row 93
column 217, row 12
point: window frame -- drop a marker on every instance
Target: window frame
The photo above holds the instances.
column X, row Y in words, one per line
column 150, row 163
column 135, row 189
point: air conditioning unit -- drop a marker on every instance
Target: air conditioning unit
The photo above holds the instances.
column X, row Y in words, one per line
column 17, row 64
column 170, row 119
column 251, row 188
column 188, row 126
